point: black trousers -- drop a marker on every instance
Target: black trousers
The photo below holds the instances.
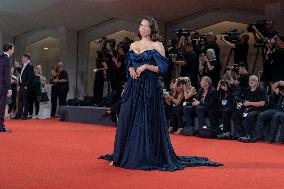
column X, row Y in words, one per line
column 62, row 97
column 34, row 100
column 244, row 126
column 176, row 117
column 24, row 102
column 190, row 112
column 3, row 101
column 276, row 118
column 98, row 89
column 53, row 104
column 221, row 112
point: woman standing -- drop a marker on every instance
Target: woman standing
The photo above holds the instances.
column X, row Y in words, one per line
column 13, row 98
column 209, row 66
column 142, row 140
column 38, row 84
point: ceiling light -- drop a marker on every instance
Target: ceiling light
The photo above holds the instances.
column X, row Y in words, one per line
column 45, row 48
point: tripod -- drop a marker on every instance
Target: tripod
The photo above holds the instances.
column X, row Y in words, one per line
column 256, row 56
column 228, row 59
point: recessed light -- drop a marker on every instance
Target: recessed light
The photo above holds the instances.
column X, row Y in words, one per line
column 45, row 48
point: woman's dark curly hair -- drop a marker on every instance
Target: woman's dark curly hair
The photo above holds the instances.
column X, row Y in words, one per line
column 154, row 36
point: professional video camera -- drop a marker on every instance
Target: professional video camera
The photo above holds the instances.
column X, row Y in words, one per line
column 232, row 35
column 182, row 32
column 260, row 26
column 199, row 42
column 182, row 38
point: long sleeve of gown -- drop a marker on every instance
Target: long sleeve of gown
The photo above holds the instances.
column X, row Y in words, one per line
column 128, row 63
column 161, row 62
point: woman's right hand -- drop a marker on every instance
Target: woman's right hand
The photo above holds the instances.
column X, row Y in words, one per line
column 133, row 73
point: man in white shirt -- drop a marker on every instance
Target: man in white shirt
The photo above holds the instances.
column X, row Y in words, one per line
column 26, row 77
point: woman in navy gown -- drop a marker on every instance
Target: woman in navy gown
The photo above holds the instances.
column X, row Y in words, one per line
column 142, row 140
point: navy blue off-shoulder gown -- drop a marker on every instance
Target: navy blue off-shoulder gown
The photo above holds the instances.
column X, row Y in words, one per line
column 142, row 140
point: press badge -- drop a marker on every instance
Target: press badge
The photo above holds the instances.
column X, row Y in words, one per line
column 224, row 102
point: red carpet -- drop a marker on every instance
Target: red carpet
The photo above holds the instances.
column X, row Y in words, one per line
column 48, row 154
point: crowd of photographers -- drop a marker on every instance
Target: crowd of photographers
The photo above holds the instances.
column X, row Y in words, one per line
column 239, row 105
column 203, row 101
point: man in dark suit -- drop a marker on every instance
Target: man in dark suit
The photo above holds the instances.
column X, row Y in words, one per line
column 5, row 82
column 26, row 77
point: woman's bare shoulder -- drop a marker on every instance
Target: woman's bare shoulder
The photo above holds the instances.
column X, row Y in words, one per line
column 159, row 47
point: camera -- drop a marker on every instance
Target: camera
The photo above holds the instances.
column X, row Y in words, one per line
column 260, row 26
column 223, row 82
column 232, row 36
column 281, row 88
column 239, row 102
column 165, row 92
column 236, row 67
column 183, row 81
column 182, row 32
column 200, row 42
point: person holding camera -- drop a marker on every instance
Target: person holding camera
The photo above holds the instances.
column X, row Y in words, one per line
column 242, row 81
column 241, row 48
column 189, row 65
column 263, row 30
column 200, row 105
column 274, row 116
column 277, row 57
column 209, row 66
column 250, row 104
column 100, row 69
column 176, row 100
column 266, row 76
column 211, row 44
column 118, row 68
column 223, row 108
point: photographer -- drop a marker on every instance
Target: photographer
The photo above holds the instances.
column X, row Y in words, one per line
column 242, row 81
column 200, row 105
column 119, row 68
column 266, row 76
column 274, row 115
column 262, row 30
column 223, row 108
column 189, row 91
column 209, row 66
column 240, row 48
column 252, row 102
column 277, row 58
column 189, row 65
column 211, row 44
column 100, row 69
column 176, row 100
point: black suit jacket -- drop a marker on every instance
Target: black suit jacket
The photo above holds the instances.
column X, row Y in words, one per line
column 27, row 76
column 5, row 73
column 210, row 98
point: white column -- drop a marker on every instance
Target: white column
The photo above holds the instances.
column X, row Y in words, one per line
column 68, row 55
column 275, row 12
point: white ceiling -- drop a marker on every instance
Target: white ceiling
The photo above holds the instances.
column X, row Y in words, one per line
column 20, row 16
